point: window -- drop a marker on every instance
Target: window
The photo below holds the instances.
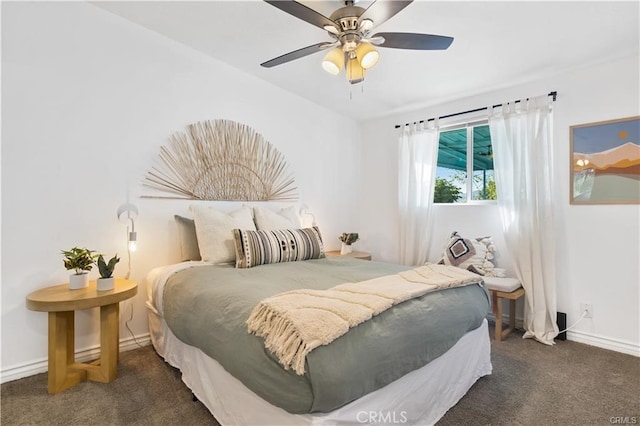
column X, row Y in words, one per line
column 460, row 177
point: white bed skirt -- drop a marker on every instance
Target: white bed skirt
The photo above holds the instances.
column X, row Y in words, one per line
column 421, row 397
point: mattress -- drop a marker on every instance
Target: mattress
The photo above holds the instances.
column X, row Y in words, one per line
column 207, row 307
column 421, row 397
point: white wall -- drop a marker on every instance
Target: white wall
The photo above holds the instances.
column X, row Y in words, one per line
column 87, row 100
column 598, row 247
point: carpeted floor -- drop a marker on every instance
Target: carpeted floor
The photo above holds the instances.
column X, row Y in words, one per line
column 532, row 384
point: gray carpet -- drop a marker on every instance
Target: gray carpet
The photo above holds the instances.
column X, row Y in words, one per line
column 532, row 384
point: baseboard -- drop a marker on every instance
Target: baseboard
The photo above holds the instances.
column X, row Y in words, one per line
column 604, row 342
column 136, row 342
column 84, row 355
column 586, row 338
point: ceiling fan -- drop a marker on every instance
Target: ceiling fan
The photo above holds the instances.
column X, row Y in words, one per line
column 353, row 45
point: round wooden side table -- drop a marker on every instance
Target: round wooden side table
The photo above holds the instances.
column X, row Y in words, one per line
column 61, row 303
column 355, row 254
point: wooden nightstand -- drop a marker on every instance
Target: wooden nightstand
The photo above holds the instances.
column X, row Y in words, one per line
column 355, row 254
column 61, row 303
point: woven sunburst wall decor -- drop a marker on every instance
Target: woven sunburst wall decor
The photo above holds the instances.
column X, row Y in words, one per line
column 221, row 160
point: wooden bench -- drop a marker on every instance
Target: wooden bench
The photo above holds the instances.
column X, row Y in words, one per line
column 500, row 289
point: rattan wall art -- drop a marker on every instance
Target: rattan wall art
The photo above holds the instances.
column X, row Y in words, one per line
column 221, row 160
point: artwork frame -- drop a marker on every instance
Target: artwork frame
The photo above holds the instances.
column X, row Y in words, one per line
column 604, row 162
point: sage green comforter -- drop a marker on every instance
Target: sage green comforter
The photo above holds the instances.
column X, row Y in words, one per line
column 207, row 307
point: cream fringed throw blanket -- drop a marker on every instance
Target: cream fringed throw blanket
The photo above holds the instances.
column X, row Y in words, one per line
column 296, row 322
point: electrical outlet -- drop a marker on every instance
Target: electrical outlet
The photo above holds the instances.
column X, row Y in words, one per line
column 588, row 308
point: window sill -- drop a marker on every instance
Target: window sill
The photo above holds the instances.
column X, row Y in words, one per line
column 470, row 203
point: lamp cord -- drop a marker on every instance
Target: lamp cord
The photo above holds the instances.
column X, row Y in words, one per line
column 128, row 208
column 126, row 324
column 128, row 256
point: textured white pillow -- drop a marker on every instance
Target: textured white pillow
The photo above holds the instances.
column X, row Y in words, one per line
column 215, row 232
column 269, row 220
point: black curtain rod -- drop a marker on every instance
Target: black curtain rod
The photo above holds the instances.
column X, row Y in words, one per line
column 554, row 94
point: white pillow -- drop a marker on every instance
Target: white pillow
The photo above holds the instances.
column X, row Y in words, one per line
column 214, row 230
column 188, row 238
column 269, row 220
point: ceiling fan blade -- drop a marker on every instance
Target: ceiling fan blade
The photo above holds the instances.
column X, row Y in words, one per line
column 301, row 11
column 297, row 54
column 381, row 11
column 414, row 41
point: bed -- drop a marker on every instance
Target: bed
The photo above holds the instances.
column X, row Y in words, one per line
column 408, row 365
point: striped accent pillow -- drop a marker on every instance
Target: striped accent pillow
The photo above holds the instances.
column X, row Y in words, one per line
column 255, row 248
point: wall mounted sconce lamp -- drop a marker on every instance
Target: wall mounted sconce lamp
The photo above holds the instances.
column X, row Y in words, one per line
column 131, row 212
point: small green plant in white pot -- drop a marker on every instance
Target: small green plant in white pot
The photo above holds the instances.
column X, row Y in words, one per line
column 347, row 239
column 81, row 261
column 106, row 280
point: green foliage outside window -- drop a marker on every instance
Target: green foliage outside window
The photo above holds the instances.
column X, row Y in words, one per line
column 491, row 194
column 446, row 192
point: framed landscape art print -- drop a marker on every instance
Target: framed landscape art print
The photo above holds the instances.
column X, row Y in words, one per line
column 605, row 162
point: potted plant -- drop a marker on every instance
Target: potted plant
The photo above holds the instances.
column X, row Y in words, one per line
column 347, row 239
column 81, row 260
column 106, row 280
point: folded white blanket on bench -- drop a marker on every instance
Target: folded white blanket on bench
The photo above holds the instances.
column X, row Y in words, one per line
column 296, row 322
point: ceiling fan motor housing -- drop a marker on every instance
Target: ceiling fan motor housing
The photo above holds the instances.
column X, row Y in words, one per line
column 346, row 19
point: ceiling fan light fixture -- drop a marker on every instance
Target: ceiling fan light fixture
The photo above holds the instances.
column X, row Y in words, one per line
column 355, row 73
column 333, row 61
column 350, row 27
column 367, row 55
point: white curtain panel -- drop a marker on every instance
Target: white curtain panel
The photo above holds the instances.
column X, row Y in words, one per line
column 418, row 158
column 521, row 134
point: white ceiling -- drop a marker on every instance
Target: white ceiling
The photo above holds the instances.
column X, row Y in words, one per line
column 496, row 44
